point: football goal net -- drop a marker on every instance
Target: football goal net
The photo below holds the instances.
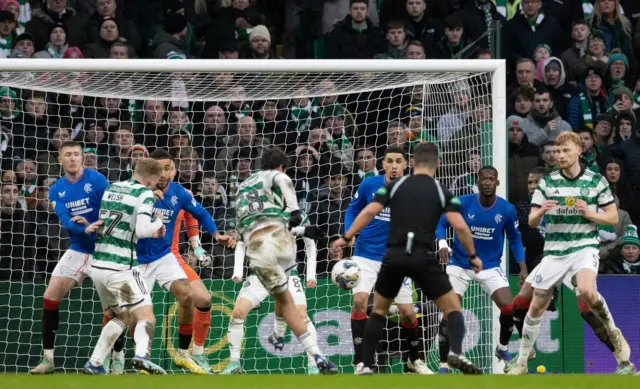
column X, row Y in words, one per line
column 334, row 118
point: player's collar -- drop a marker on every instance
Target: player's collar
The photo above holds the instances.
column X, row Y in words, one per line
column 582, row 170
column 485, row 208
column 78, row 179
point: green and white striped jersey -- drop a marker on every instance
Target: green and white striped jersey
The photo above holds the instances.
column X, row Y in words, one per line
column 259, row 201
column 121, row 203
column 567, row 230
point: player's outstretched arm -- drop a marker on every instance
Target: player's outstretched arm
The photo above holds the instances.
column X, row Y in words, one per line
column 64, row 215
column 238, row 262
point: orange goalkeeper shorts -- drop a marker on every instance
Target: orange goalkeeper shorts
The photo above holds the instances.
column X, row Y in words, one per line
column 191, row 274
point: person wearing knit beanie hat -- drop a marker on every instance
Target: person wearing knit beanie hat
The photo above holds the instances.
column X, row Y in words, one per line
column 57, row 43
column 630, row 250
column 259, row 43
column 175, row 24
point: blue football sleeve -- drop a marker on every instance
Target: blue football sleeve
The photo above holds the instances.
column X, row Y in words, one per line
column 513, row 234
column 357, row 204
column 196, row 209
column 63, row 214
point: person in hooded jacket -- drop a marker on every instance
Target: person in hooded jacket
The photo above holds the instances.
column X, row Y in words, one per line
column 555, row 77
column 628, row 152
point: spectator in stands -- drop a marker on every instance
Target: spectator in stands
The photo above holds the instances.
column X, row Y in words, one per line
column 51, row 239
column 214, row 199
column 332, row 201
column 135, row 153
column 23, row 47
column 589, row 156
column 396, row 42
column 109, row 34
column 355, row 37
column 415, row 50
column 17, row 233
column 127, row 29
column 525, row 75
column 27, row 179
column 365, row 165
column 48, row 165
column 484, row 54
column 120, row 50
column 549, row 155
column 554, row 76
column 95, row 137
column 153, row 130
column 9, row 106
column 334, row 123
column 613, row 174
column 574, row 57
column 618, row 74
column 306, row 176
column 608, row 17
column 7, row 33
column 273, row 126
column 521, row 101
column 117, row 166
column 334, row 10
column 480, row 16
column 328, row 153
column 529, row 29
column 467, row 182
column 246, row 137
column 625, row 259
column 260, row 44
column 50, row 13
column 31, row 130
column 603, row 135
column 210, row 138
column 13, row 6
column 229, row 50
column 541, row 54
column 544, row 123
column 90, row 158
column 422, row 27
column 8, row 176
column 189, row 168
column 170, row 42
column 523, row 156
column 628, row 152
column 454, row 44
column 241, row 169
column 453, row 121
column 597, row 54
column 625, row 124
column 178, row 119
column 590, row 102
column 57, row 43
column 621, row 100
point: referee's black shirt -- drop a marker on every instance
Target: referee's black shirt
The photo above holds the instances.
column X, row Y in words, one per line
column 416, row 204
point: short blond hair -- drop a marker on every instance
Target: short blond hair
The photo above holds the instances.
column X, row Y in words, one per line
column 568, row 137
column 148, row 167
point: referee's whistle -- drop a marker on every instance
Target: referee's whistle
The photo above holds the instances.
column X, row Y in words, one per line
column 410, row 236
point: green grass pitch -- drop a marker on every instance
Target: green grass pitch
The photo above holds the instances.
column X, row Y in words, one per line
column 387, row 381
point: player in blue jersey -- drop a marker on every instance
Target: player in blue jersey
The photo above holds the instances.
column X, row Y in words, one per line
column 158, row 264
column 490, row 218
column 76, row 200
column 370, row 247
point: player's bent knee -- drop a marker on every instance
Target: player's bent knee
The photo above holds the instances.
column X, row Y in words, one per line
column 360, row 301
column 202, row 301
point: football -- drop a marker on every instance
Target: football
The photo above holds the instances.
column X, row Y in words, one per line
column 345, row 274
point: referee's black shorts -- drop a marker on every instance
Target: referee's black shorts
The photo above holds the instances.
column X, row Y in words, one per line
column 421, row 266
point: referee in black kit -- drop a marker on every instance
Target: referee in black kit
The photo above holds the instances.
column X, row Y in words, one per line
column 416, row 204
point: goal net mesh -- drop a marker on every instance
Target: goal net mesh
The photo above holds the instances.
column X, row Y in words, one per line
column 216, row 125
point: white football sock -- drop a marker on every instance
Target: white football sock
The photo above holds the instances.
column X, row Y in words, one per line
column 118, row 355
column 235, row 335
column 601, row 310
column 280, row 327
column 311, row 329
column 530, row 332
column 308, row 341
column 48, row 355
column 142, row 338
column 110, row 333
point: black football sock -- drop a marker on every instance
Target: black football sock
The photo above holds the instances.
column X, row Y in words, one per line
column 410, row 332
column 119, row 344
column 506, row 324
column 50, row 319
column 443, row 340
column 456, row 331
column 358, row 325
column 372, row 336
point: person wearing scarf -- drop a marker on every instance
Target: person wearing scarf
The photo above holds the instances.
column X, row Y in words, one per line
column 589, row 157
column 57, row 44
column 7, row 33
column 529, row 29
column 626, row 258
column 590, row 102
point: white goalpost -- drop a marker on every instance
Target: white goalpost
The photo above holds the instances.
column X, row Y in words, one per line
column 333, row 117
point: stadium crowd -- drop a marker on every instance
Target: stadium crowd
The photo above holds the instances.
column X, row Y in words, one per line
column 573, row 66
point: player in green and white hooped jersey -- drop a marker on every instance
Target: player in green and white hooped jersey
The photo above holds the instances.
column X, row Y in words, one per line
column 568, row 200
column 263, row 227
column 125, row 216
column 253, row 293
